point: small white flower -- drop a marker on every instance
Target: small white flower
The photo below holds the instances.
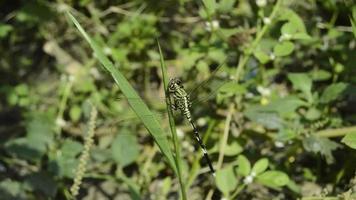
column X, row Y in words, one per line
column 264, row 91
column 213, row 25
column 261, row 3
column 107, row 50
column 201, row 122
column 60, row 122
column 253, row 174
column 248, row 179
column 266, row 20
column 272, row 56
column 249, row 95
column 285, row 36
column 279, row 144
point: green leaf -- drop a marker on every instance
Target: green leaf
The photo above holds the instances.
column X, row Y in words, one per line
column 320, row 75
column 22, row 148
column 40, row 131
column 232, row 88
column 12, row 190
column 260, row 166
column 226, row 5
column 244, row 166
column 270, row 120
column 324, row 146
column 283, row 49
column 313, row 114
column 350, row 140
column 353, row 25
column 301, row 36
column 273, row 179
column 71, row 148
column 226, row 180
column 210, row 6
column 233, row 149
column 75, row 112
column 44, row 183
column 146, row 116
column 295, row 21
column 289, row 28
column 261, row 56
column 301, row 81
column 5, row 30
column 333, row 92
column 125, row 149
column 64, row 162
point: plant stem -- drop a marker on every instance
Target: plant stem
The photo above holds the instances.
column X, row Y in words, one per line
column 176, row 145
column 336, row 132
column 242, row 62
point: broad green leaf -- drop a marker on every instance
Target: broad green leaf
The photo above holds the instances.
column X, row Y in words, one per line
column 147, row 117
column 64, row 162
column 273, row 179
column 289, row 29
column 353, row 26
column 260, row 166
column 283, row 49
column 12, row 190
column 233, row 149
column 75, row 112
column 270, row 120
column 22, row 148
column 324, row 146
column 232, row 88
column 210, row 6
column 332, row 92
column 320, row 75
column 244, row 166
column 284, row 106
column 261, row 56
column 40, row 131
column 71, row 148
column 5, row 29
column 125, row 149
column 43, row 182
column 294, row 19
column 226, row 180
column 350, row 140
column 226, row 5
column 301, row 81
column 301, row 36
column 313, row 114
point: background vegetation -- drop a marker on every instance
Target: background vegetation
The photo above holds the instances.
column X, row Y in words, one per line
column 278, row 117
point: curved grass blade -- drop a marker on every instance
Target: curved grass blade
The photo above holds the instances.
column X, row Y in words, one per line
column 176, row 144
column 136, row 103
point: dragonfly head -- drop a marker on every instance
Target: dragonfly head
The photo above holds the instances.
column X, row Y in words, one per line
column 174, row 83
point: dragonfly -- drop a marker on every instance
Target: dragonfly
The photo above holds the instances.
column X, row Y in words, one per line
column 181, row 102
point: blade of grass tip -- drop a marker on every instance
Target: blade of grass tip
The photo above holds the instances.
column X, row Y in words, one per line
column 172, row 125
column 136, row 103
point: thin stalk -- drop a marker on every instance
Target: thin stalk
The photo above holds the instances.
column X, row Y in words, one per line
column 63, row 103
column 225, row 136
column 336, row 132
column 242, row 62
column 177, row 148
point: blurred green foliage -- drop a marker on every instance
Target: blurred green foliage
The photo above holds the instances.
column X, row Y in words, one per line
column 291, row 133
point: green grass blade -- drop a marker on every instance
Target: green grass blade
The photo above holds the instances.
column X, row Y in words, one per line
column 176, row 143
column 139, row 107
